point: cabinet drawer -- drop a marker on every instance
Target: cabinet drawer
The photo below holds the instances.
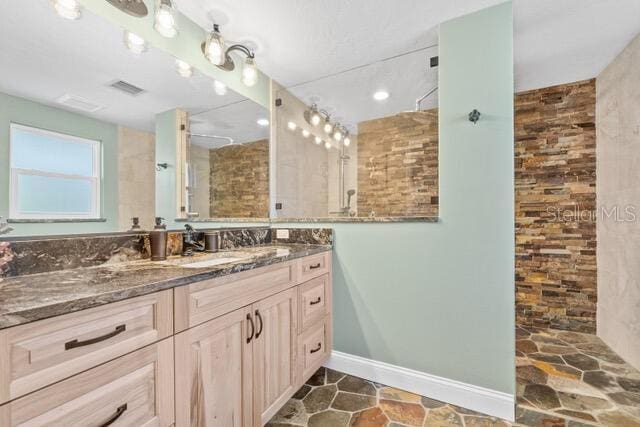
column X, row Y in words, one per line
column 133, row 390
column 206, row 300
column 43, row 352
column 314, row 301
column 313, row 266
column 314, row 348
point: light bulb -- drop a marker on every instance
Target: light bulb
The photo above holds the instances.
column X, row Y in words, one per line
column 263, row 122
column 315, row 119
column 327, row 145
column 214, row 48
column 134, row 42
column 184, row 69
column 305, row 133
column 318, row 140
column 337, row 135
column 249, row 72
column 165, row 21
column 69, row 9
column 328, row 127
column 381, row 95
column 219, row 88
column 292, row 126
column 347, row 141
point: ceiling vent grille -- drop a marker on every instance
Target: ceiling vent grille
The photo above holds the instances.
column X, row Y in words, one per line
column 127, row 88
column 78, row 103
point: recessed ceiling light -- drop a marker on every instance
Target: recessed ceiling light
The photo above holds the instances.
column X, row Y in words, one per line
column 134, row 42
column 292, row 126
column 69, row 9
column 381, row 95
column 219, row 88
column 263, row 122
column 305, row 133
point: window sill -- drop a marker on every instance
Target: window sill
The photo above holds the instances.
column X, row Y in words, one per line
column 52, row 220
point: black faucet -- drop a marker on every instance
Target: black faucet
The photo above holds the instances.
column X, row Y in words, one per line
column 190, row 243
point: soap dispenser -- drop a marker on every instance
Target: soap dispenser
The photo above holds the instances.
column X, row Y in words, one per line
column 158, row 237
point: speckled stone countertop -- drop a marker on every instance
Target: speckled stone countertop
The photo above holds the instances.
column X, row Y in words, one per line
column 33, row 297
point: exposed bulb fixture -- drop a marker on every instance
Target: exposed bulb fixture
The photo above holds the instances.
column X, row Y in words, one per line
column 263, row 122
column 214, row 48
column 318, row 140
column 69, row 9
column 381, row 95
column 184, row 69
column 346, row 141
column 328, row 127
column 249, row 72
column 305, row 133
column 315, row 118
column 218, row 54
column 292, row 126
column 134, row 42
column 327, row 145
column 337, row 134
column 219, row 88
column 165, row 19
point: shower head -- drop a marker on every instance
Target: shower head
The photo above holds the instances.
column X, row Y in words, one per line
column 351, row 192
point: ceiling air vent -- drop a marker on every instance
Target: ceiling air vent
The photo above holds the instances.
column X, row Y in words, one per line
column 78, row 103
column 127, row 88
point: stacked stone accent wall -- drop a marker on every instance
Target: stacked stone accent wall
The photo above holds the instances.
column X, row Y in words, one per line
column 398, row 165
column 555, row 184
column 239, row 181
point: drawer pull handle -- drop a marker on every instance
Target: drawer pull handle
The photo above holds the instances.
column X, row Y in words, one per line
column 316, row 301
column 259, row 316
column 75, row 343
column 313, row 267
column 115, row 416
column 253, row 328
column 317, row 349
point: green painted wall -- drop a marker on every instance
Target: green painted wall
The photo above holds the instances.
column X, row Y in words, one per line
column 439, row 298
column 22, row 111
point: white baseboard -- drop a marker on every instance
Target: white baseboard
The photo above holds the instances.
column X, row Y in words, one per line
column 480, row 399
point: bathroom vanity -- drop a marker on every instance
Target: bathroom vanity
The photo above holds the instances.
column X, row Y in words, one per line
column 226, row 345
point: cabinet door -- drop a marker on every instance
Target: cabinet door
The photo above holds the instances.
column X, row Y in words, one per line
column 274, row 353
column 214, row 372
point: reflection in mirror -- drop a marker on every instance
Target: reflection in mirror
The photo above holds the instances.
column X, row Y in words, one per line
column 361, row 144
column 78, row 116
column 227, row 165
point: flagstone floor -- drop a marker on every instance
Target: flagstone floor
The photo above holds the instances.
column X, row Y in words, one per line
column 564, row 379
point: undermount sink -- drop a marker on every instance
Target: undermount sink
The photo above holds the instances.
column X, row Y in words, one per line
column 203, row 261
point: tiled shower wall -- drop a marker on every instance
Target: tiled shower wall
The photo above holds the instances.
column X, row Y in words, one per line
column 398, row 165
column 239, row 181
column 555, row 184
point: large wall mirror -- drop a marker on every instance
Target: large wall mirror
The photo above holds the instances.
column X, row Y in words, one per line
column 87, row 110
column 360, row 145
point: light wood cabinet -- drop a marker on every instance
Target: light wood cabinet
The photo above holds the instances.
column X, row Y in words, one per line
column 130, row 391
column 37, row 354
column 274, row 354
column 240, row 346
column 214, row 372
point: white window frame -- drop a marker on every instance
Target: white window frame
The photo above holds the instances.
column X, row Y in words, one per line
column 94, row 180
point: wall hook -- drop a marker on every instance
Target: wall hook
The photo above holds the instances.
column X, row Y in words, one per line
column 474, row 116
column 161, row 166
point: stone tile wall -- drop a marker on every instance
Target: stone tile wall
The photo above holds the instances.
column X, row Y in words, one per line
column 239, row 181
column 555, row 194
column 398, row 165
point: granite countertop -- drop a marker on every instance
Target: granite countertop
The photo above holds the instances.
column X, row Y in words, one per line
column 33, row 297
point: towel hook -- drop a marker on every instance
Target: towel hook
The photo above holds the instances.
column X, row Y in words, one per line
column 474, row 116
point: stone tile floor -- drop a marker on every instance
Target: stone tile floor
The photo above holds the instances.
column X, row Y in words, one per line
column 564, row 379
column 576, row 377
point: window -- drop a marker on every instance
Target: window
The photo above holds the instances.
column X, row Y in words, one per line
column 53, row 175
